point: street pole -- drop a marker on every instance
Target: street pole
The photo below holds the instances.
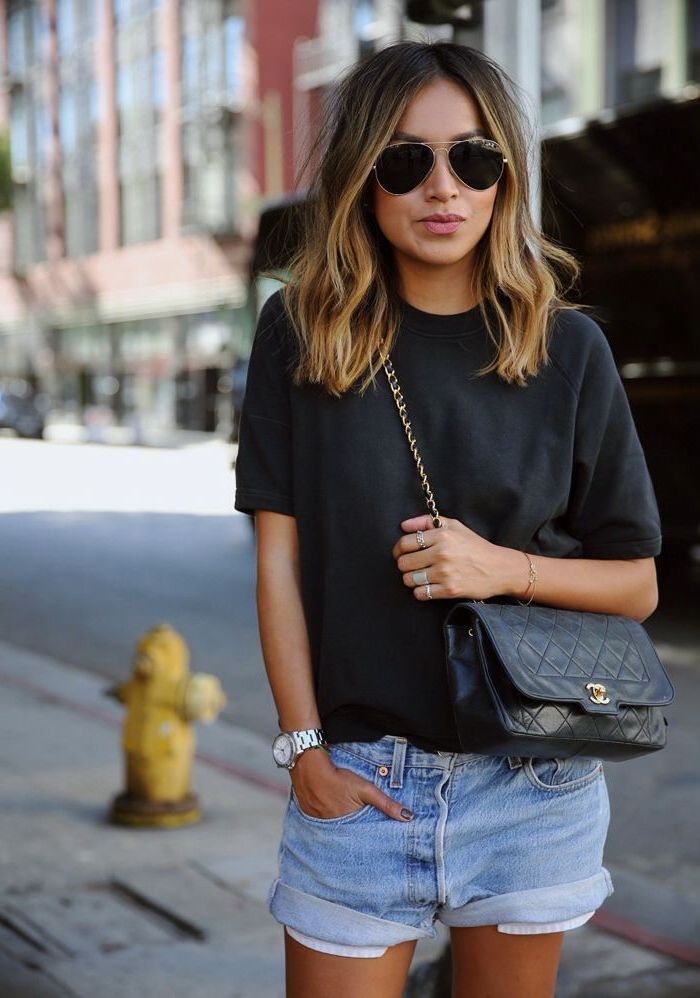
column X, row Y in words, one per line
column 510, row 35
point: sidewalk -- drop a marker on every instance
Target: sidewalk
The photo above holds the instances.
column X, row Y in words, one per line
column 95, row 911
column 69, row 430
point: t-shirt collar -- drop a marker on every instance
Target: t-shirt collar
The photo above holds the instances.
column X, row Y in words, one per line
column 432, row 324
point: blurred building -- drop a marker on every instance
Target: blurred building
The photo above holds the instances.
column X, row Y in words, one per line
column 348, row 30
column 147, row 134
column 595, row 54
column 143, row 135
column 615, row 54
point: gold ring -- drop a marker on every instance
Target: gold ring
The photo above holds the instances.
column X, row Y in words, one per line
column 427, row 590
column 420, row 537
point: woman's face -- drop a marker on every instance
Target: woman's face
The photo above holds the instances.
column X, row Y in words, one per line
column 440, row 112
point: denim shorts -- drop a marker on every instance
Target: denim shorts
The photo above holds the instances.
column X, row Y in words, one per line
column 508, row 841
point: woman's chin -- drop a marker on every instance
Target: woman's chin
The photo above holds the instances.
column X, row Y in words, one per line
column 440, row 256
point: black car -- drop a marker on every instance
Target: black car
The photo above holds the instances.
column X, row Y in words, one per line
column 21, row 411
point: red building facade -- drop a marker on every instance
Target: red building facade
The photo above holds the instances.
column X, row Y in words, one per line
column 145, row 135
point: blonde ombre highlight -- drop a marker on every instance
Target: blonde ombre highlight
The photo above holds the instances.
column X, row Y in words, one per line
column 340, row 289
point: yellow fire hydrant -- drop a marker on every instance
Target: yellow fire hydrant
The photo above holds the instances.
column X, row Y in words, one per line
column 163, row 700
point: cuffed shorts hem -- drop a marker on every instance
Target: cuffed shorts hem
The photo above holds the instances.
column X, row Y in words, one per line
column 336, row 923
column 336, row 949
column 537, row 928
column 339, row 930
column 560, row 902
column 373, row 952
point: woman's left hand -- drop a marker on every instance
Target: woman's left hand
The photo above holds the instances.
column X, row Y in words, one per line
column 458, row 562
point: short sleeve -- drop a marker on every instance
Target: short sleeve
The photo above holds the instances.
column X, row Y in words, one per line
column 612, row 507
column 264, row 460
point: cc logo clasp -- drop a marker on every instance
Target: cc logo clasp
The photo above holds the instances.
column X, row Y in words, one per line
column 598, row 693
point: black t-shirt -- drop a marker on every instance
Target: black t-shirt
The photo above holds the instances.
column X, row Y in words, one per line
column 554, row 468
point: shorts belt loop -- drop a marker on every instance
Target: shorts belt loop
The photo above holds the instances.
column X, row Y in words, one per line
column 397, row 762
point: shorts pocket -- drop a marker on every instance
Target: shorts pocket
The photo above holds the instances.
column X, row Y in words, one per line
column 343, row 758
column 560, row 775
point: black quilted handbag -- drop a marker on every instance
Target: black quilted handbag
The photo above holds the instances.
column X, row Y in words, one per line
column 543, row 682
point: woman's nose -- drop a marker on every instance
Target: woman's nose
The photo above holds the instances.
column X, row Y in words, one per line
column 441, row 179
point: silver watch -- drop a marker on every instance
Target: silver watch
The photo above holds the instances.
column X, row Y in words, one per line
column 289, row 745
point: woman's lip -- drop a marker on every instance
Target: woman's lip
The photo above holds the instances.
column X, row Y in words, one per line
column 441, row 228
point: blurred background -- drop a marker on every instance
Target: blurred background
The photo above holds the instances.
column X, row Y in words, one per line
column 149, row 152
column 144, row 144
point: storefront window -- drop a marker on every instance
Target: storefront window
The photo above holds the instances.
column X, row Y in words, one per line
column 17, row 30
column 693, row 36
column 65, row 25
column 29, row 131
column 561, row 60
column 637, row 40
column 212, row 59
column 234, row 68
column 78, row 113
column 19, row 136
column 140, row 102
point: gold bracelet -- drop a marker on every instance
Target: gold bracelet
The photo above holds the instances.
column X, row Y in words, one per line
column 532, row 581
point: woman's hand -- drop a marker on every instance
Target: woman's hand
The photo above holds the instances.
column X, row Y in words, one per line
column 458, row 562
column 326, row 791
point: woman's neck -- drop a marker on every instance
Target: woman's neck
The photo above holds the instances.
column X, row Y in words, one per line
column 443, row 290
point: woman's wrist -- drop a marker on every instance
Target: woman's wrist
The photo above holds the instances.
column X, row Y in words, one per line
column 517, row 575
column 313, row 762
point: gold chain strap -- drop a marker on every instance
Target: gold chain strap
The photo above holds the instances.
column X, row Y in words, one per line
column 401, row 406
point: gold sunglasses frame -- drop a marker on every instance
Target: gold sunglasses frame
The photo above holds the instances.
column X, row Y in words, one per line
column 435, row 147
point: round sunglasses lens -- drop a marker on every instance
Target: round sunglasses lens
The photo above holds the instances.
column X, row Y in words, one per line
column 476, row 165
column 401, row 168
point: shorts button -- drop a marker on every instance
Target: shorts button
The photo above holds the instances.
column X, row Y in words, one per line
column 383, row 770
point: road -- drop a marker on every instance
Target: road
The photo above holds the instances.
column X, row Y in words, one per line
column 100, row 543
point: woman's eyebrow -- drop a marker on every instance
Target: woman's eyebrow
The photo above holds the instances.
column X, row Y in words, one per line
column 455, row 138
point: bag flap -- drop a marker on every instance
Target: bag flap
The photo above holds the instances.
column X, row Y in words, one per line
column 599, row 660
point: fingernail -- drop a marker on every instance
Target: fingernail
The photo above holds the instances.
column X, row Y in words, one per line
column 405, row 813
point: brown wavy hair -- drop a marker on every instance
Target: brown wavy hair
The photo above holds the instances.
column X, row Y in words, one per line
column 340, row 286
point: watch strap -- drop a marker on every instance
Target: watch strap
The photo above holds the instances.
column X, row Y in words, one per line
column 308, row 738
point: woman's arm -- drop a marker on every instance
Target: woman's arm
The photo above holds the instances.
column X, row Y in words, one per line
column 323, row 790
column 462, row 564
column 283, row 634
column 627, row 587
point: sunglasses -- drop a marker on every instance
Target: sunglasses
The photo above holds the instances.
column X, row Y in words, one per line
column 477, row 163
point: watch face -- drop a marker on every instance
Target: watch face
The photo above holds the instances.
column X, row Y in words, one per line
column 283, row 749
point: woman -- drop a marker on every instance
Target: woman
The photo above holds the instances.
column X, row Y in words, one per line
column 419, row 244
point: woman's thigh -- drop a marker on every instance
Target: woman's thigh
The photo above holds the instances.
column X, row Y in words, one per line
column 310, row 972
column 492, row 964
